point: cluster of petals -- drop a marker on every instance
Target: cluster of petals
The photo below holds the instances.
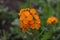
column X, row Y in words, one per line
column 51, row 20
column 29, row 18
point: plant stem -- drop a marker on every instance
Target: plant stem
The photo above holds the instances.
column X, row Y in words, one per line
column 47, row 35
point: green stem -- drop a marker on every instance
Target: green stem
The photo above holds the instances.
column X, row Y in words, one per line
column 4, row 35
column 47, row 35
column 33, row 35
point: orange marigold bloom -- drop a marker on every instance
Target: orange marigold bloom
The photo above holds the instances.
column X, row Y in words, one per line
column 22, row 17
column 25, row 21
column 26, row 13
column 29, row 19
column 37, row 21
column 21, row 25
column 36, row 17
column 33, row 11
column 52, row 19
column 37, row 26
column 32, row 26
column 22, row 10
column 31, row 22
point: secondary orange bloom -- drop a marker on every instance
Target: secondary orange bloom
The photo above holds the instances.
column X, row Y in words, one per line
column 29, row 19
column 52, row 19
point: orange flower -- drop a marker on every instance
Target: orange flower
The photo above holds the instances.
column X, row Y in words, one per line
column 31, row 22
column 36, row 17
column 33, row 11
column 21, row 25
column 37, row 21
column 22, row 17
column 26, row 13
column 52, row 19
column 32, row 26
column 25, row 21
column 22, row 10
column 37, row 26
column 29, row 19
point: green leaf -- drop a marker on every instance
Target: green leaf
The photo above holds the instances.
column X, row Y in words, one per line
column 25, row 5
column 58, row 9
column 47, row 35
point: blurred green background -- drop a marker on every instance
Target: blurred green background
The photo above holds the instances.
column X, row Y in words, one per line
column 9, row 19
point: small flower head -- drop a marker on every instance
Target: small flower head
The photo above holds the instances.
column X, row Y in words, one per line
column 51, row 20
column 29, row 19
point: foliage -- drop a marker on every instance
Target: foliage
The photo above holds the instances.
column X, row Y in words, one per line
column 9, row 21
